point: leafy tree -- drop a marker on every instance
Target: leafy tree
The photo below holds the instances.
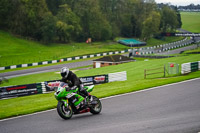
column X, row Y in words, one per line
column 77, row 20
column 53, row 5
column 63, row 31
column 26, row 16
column 169, row 21
column 93, row 22
column 138, row 18
column 178, row 18
column 5, row 11
column 66, row 15
column 151, row 25
column 48, row 27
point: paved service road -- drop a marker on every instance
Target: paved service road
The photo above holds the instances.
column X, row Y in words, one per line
column 167, row 109
column 45, row 69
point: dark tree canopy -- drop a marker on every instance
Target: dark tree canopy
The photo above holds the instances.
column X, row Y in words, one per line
column 76, row 20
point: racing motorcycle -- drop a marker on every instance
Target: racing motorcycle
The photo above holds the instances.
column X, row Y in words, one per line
column 70, row 101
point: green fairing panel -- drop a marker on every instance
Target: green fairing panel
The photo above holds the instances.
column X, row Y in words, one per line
column 80, row 99
column 89, row 88
column 74, row 91
column 61, row 94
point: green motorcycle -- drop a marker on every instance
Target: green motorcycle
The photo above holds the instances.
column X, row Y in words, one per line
column 72, row 102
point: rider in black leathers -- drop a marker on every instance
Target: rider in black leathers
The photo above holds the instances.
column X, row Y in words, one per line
column 73, row 81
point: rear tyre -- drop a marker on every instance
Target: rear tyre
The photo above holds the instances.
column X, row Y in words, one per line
column 95, row 108
column 64, row 112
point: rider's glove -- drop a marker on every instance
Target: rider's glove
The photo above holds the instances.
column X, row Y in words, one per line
column 73, row 88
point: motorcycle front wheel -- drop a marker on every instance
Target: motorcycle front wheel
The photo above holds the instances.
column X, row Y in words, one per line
column 95, row 108
column 64, row 112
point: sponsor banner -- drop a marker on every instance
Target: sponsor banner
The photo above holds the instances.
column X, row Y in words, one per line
column 194, row 66
column 91, row 80
column 181, row 34
column 20, row 90
column 99, row 79
column 50, row 85
column 87, row 80
column 38, row 88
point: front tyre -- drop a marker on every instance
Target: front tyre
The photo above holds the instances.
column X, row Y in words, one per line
column 64, row 112
column 95, row 108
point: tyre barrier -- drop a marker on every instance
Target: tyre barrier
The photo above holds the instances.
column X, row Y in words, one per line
column 190, row 67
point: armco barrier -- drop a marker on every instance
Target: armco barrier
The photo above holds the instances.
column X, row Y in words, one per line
column 190, row 67
column 39, row 88
column 65, row 59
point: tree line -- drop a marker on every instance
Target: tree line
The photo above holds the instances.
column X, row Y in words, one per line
column 76, row 20
column 191, row 6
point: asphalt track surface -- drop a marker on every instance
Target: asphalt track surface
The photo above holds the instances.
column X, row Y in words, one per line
column 44, row 69
column 179, row 50
column 171, row 108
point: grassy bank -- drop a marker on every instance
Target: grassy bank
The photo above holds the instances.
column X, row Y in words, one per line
column 16, row 51
column 191, row 21
column 192, row 51
column 135, row 76
column 153, row 41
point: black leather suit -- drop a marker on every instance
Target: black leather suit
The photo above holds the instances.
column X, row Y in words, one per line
column 73, row 81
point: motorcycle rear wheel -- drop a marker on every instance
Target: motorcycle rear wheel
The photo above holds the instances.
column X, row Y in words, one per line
column 64, row 112
column 96, row 109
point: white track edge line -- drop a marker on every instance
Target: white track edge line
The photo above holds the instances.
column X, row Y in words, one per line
column 153, row 88
column 27, row 115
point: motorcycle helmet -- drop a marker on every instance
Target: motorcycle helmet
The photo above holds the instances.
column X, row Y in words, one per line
column 64, row 72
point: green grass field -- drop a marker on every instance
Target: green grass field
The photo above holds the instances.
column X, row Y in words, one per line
column 191, row 21
column 135, row 76
column 15, row 51
column 153, row 41
column 195, row 50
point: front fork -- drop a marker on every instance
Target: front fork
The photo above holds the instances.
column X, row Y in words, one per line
column 66, row 102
